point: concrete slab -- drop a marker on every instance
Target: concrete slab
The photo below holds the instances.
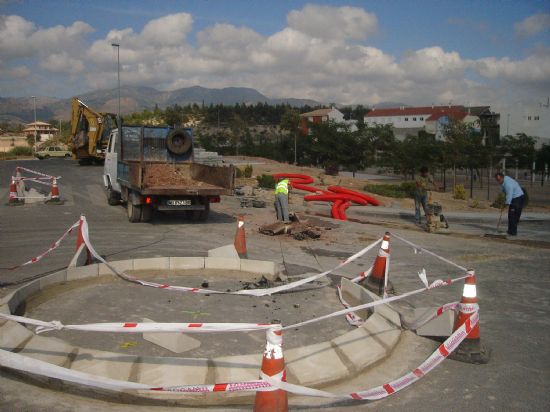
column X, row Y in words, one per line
column 314, row 364
column 13, row 335
column 384, row 331
column 385, row 310
column 186, row 263
column 174, row 342
column 258, row 266
column 157, row 371
column 51, row 350
column 152, row 263
column 21, row 294
column 96, row 362
column 237, row 368
column 359, row 348
column 440, row 326
column 82, row 272
column 227, row 251
column 54, row 278
column 120, row 265
column 222, row 263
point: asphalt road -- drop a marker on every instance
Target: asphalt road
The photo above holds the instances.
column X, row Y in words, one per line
column 513, row 290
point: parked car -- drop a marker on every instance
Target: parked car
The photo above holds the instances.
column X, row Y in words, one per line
column 52, row 151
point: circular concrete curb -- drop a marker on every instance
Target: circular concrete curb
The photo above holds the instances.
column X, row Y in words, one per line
column 313, row 365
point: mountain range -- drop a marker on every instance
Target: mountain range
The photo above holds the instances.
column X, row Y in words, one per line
column 133, row 99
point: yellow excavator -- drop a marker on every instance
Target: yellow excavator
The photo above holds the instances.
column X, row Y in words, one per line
column 90, row 132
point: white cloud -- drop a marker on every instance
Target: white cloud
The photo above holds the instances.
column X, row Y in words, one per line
column 532, row 25
column 319, row 55
column 21, row 38
column 327, row 22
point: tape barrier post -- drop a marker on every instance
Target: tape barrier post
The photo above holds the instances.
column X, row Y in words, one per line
column 273, row 366
column 240, row 239
column 82, row 256
column 376, row 282
column 471, row 350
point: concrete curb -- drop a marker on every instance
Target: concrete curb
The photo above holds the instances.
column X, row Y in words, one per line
column 313, row 365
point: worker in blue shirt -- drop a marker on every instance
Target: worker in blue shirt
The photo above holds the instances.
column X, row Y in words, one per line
column 515, row 200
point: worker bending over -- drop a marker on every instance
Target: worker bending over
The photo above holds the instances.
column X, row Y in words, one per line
column 281, row 200
column 515, row 200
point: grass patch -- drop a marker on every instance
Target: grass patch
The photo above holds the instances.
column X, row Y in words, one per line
column 400, row 191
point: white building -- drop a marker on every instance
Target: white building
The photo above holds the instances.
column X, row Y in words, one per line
column 324, row 115
column 533, row 119
column 411, row 120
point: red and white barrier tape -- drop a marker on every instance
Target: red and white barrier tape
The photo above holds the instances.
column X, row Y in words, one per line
column 19, row 168
column 37, row 367
column 418, row 249
column 352, row 318
column 130, row 327
column 54, row 246
column 145, row 327
column 436, row 284
column 249, row 292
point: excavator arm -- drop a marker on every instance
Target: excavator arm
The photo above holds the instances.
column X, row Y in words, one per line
column 90, row 132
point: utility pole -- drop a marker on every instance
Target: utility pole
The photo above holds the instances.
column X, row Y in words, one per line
column 118, row 77
column 34, row 107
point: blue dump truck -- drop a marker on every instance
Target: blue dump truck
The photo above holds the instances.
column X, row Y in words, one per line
column 151, row 168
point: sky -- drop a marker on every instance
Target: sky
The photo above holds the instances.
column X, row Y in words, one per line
column 417, row 52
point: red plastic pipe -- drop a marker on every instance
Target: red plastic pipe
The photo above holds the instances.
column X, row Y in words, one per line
column 370, row 199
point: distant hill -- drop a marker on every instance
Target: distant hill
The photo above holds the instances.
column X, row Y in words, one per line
column 134, row 99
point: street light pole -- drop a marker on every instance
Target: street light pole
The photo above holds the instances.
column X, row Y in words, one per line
column 34, row 108
column 118, row 77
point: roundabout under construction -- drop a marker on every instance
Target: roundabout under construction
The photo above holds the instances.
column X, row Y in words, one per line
column 309, row 362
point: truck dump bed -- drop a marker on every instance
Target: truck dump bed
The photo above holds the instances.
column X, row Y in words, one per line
column 180, row 178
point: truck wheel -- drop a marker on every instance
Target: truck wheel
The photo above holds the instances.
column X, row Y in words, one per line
column 113, row 198
column 134, row 212
column 147, row 212
column 178, row 142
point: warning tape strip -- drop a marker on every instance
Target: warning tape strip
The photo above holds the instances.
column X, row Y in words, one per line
column 250, row 292
column 436, row 284
column 130, row 327
column 37, row 367
column 19, row 168
column 146, row 327
column 421, row 249
column 54, row 246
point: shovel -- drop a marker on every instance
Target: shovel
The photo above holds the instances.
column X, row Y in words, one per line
column 498, row 234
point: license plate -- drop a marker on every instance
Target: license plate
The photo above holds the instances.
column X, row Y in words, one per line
column 179, row 202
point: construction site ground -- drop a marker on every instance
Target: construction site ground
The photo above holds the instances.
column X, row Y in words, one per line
column 513, row 287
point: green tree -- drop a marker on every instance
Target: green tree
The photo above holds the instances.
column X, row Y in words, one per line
column 519, row 147
column 290, row 121
column 238, row 128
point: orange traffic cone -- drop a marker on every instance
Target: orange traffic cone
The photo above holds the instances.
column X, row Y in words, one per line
column 240, row 240
column 13, row 199
column 273, row 365
column 470, row 350
column 376, row 282
column 54, row 195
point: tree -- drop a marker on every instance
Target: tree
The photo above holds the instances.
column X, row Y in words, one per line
column 290, row 121
column 543, row 157
column 238, row 127
column 520, row 147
